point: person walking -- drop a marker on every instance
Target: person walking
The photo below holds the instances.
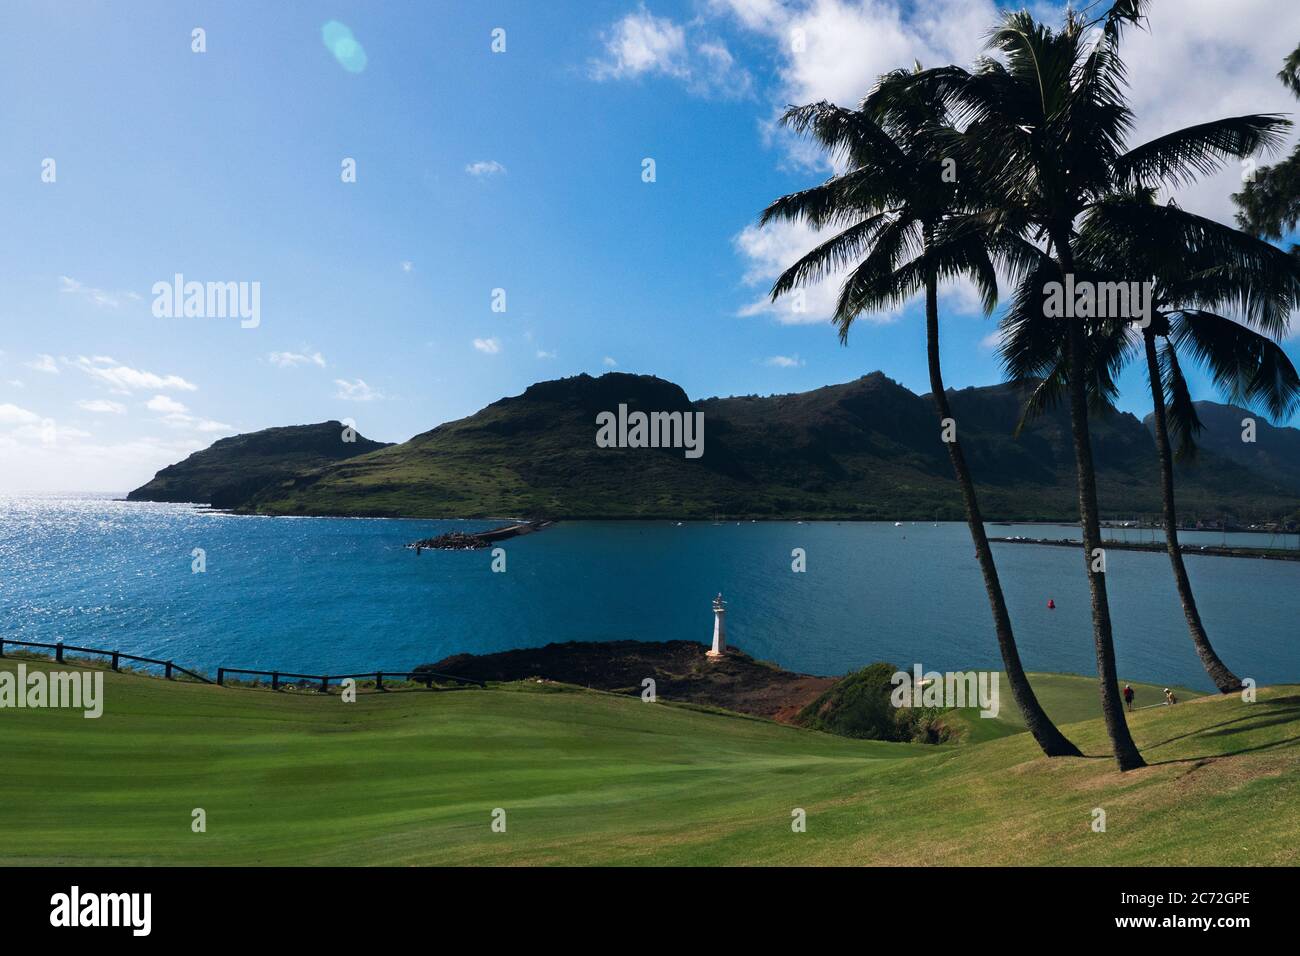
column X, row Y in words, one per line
column 1128, row 696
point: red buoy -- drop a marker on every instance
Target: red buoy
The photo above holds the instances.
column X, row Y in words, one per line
column 1051, row 605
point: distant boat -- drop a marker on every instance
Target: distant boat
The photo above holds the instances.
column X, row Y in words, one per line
column 898, row 524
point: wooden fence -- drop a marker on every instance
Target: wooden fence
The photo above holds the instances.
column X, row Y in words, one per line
column 425, row 677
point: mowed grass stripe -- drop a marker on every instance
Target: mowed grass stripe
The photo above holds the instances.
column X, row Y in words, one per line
column 593, row 778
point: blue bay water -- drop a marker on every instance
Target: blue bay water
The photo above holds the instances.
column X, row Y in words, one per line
column 338, row 595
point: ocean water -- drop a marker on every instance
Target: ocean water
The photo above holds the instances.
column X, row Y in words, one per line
column 344, row 595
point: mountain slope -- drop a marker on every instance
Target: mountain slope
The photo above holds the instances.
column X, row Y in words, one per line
column 232, row 469
column 1274, row 454
column 866, row 449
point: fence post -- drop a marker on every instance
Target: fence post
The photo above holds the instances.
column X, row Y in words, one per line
column 2, row 647
column 379, row 680
column 325, row 684
column 221, row 676
column 168, row 673
column 115, row 659
column 58, row 651
column 275, row 680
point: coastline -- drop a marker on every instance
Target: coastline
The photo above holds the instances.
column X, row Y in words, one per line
column 1207, row 550
column 742, row 518
column 994, row 520
column 680, row 670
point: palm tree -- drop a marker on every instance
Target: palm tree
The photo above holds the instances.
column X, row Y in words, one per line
column 1196, row 265
column 1046, row 126
column 887, row 204
column 1269, row 204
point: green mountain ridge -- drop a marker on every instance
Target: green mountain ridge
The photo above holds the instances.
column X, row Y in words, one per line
column 1275, row 453
column 231, row 470
column 865, row 449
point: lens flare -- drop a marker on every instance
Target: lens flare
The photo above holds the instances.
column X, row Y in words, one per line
column 338, row 39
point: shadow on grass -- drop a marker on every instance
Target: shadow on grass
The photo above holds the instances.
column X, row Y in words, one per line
column 1282, row 710
column 1290, row 710
column 1288, row 742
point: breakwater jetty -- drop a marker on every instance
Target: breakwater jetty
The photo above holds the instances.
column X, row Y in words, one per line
column 473, row 540
column 1212, row 550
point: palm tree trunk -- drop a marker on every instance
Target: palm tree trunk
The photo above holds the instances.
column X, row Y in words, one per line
column 1224, row 679
column 1050, row 739
column 1112, row 708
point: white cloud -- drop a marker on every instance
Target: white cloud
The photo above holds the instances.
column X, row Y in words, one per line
column 294, row 359
column 767, row 253
column 543, row 354
column 165, row 405
column 176, row 415
column 123, row 379
column 99, row 297
column 716, row 72
column 13, row 415
column 179, row 417
column 407, row 265
column 20, row 427
column 611, row 362
column 836, row 49
column 642, row 44
column 70, row 461
column 47, row 433
column 487, row 346
column 784, row 361
column 43, row 363
column 485, row 167
column 102, row 406
column 1235, row 50
column 356, row 391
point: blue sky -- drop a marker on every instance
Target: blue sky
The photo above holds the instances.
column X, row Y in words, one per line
column 476, row 171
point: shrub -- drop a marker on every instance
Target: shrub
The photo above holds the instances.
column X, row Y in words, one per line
column 858, row 705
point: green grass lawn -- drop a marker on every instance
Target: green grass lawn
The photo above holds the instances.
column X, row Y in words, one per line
column 1067, row 699
column 412, row 777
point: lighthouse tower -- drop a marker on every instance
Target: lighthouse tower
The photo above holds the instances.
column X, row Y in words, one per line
column 719, row 648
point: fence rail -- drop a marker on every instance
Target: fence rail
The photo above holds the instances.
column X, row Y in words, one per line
column 425, row 677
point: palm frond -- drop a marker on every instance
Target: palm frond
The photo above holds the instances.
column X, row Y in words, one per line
column 1184, row 424
column 1269, row 204
column 850, row 135
column 1178, row 158
column 831, row 256
column 1246, row 366
column 1290, row 72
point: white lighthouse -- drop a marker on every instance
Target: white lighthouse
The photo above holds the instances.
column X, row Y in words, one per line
column 719, row 648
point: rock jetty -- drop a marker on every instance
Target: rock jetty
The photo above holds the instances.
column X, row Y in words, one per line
column 473, row 540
